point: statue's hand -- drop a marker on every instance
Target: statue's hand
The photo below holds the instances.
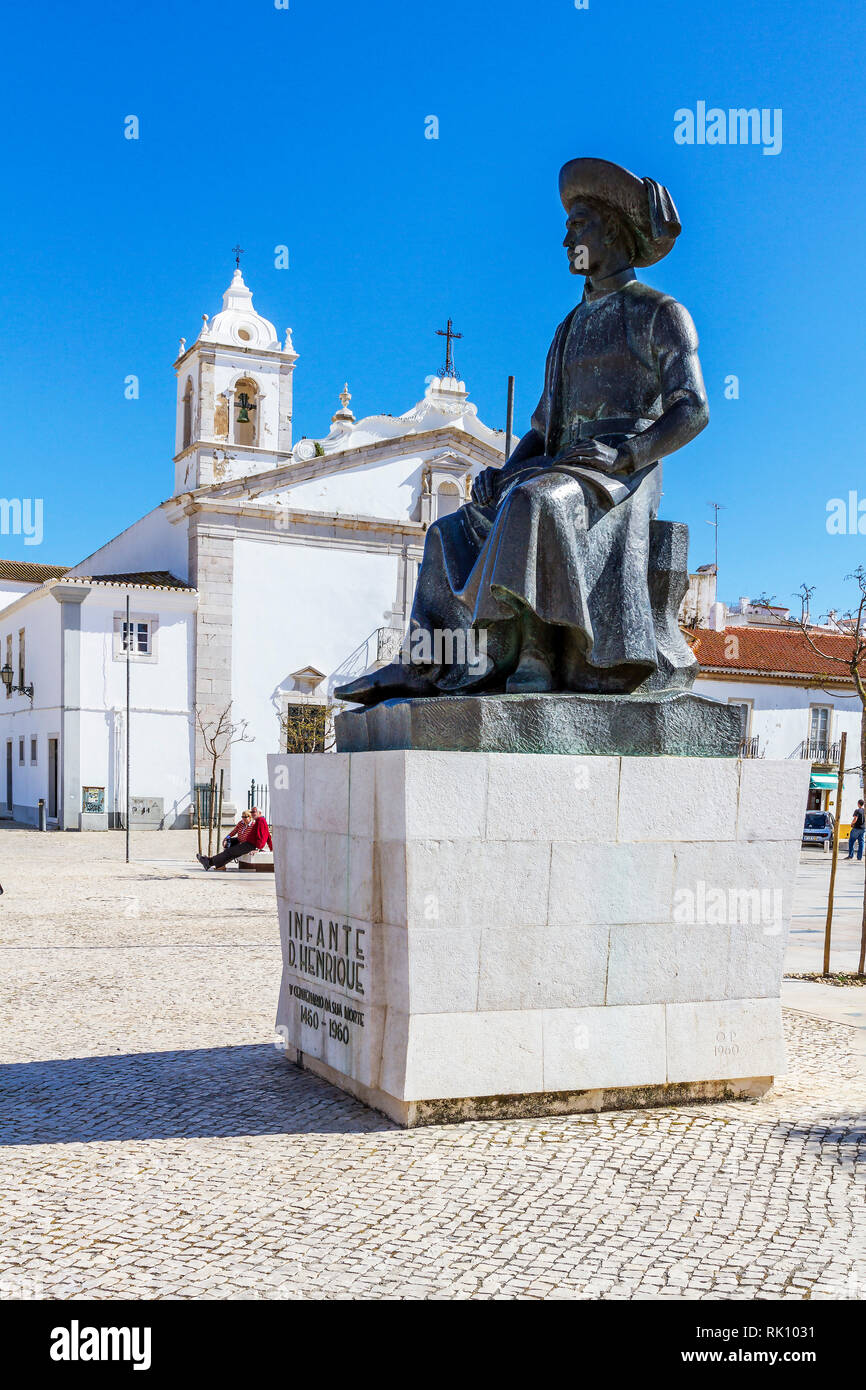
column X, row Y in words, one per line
column 485, row 487
column 594, row 454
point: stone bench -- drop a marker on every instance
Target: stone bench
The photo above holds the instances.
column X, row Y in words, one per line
column 258, row 862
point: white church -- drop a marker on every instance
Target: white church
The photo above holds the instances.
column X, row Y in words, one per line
column 274, row 571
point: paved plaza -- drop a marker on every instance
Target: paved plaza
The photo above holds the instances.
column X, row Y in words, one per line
column 156, row 1145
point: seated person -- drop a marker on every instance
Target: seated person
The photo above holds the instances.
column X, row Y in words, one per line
column 260, row 837
column 236, row 843
column 253, row 834
column 243, row 824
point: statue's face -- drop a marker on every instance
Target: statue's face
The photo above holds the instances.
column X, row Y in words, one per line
column 587, row 239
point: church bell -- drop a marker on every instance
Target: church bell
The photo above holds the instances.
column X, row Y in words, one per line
column 244, row 408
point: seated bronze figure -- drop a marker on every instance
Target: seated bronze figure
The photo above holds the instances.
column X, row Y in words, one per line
column 558, row 562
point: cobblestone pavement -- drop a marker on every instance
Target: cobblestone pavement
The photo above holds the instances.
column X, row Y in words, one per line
column 156, row 1145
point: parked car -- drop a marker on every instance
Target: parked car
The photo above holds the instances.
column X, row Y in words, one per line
column 818, row 828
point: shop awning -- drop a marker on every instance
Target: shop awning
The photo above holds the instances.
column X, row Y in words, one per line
column 824, row 781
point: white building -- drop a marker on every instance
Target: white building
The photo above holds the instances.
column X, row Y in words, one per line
column 271, row 573
column 795, row 696
column 63, row 716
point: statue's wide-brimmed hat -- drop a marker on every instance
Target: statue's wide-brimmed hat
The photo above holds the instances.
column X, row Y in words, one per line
column 647, row 205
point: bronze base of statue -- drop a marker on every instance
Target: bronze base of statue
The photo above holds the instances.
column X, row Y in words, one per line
column 674, row 724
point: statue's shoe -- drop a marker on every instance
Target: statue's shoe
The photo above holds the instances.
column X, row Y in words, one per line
column 388, row 683
column 532, row 677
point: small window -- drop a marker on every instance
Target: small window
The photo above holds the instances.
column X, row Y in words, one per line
column 139, row 639
column 20, row 752
column 33, row 751
column 305, row 728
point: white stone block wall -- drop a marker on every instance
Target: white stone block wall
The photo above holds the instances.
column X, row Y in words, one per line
column 530, row 924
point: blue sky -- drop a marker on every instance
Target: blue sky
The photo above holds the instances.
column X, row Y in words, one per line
column 305, row 127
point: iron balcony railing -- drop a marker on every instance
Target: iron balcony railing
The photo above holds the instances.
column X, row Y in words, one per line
column 819, row 751
column 751, row 748
column 381, row 646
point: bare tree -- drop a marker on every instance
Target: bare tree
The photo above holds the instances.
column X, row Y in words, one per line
column 853, row 626
column 217, row 736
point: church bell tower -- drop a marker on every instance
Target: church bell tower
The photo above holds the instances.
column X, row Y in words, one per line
column 234, row 395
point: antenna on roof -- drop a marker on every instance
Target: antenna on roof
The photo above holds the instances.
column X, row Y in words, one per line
column 717, row 507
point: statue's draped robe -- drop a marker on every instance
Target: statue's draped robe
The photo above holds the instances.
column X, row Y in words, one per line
column 566, row 541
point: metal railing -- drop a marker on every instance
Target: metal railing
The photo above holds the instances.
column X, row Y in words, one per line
column 750, row 748
column 381, row 646
column 258, row 796
column 202, row 792
column 819, row 751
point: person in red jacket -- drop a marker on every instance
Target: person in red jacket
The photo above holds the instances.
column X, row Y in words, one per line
column 261, row 835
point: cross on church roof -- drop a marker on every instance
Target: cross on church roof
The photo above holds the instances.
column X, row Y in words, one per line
column 238, row 251
column 448, row 333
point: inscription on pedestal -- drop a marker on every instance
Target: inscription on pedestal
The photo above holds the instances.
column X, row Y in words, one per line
column 326, row 951
column 318, row 1011
column 333, row 952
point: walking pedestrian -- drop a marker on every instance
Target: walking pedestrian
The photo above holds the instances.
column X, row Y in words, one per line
column 858, row 824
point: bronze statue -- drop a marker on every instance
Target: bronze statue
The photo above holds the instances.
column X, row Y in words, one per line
column 557, row 562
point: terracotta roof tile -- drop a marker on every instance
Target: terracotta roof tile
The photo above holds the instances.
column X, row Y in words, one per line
column 783, row 652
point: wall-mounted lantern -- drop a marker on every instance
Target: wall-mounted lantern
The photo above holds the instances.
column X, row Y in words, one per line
column 6, row 674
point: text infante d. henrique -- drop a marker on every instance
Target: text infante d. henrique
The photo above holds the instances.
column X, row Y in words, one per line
column 331, row 951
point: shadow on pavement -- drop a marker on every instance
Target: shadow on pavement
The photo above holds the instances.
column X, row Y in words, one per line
column 843, row 1144
column 207, row 1093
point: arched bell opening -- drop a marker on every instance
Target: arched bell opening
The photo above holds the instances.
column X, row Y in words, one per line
column 186, row 435
column 245, row 406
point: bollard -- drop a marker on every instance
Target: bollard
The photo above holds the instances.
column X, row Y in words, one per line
column 43, row 824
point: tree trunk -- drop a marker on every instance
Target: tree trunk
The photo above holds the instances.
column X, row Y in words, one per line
column 862, row 963
column 212, row 808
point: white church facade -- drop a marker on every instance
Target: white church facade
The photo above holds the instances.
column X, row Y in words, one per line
column 274, row 571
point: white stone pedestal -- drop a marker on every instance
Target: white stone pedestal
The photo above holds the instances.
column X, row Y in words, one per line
column 487, row 934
